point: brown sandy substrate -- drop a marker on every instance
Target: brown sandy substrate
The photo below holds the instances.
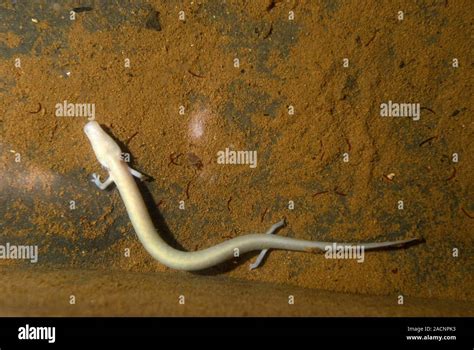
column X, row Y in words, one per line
column 283, row 63
column 36, row 292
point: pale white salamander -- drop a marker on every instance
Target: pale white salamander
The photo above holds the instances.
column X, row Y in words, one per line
column 109, row 155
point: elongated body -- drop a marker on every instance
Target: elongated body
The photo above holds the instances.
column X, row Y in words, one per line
column 108, row 154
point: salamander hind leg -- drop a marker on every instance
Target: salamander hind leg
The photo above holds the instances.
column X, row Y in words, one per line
column 101, row 185
column 259, row 260
column 262, row 254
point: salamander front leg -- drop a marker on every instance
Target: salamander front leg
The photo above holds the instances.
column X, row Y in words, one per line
column 136, row 173
column 262, row 254
column 101, row 185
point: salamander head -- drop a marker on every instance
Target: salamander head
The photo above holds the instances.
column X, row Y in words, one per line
column 105, row 148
